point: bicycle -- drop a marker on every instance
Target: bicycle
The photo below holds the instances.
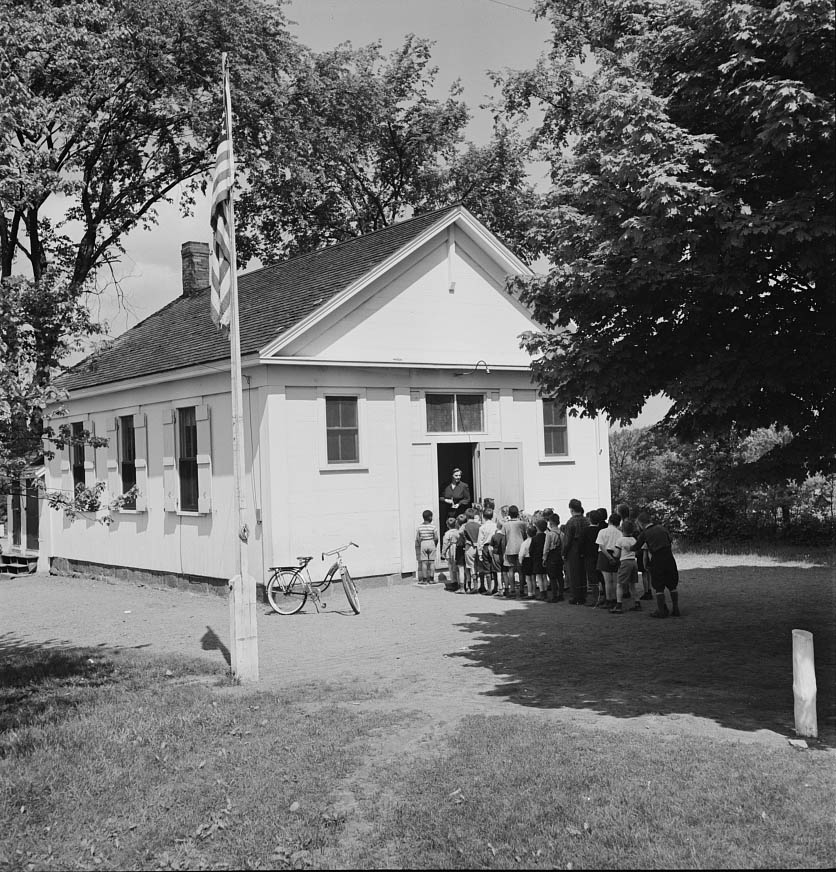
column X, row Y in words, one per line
column 290, row 586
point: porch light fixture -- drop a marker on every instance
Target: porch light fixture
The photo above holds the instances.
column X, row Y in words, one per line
column 475, row 369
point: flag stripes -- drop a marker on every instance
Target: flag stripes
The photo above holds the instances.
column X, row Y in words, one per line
column 220, row 260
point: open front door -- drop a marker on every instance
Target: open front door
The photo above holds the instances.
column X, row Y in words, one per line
column 498, row 473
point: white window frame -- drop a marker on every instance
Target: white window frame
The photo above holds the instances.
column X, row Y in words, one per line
column 541, row 437
column 457, row 393
column 171, row 449
column 362, row 464
column 114, row 459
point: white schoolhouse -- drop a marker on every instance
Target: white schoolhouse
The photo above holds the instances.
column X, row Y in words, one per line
column 371, row 369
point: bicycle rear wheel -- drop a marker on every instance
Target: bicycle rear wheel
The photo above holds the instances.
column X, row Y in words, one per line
column 350, row 589
column 286, row 592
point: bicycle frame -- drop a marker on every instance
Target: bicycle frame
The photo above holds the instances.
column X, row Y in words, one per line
column 311, row 588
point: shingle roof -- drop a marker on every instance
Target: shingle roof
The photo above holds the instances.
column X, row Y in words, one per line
column 270, row 301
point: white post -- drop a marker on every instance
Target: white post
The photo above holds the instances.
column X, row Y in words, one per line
column 242, row 601
column 804, row 684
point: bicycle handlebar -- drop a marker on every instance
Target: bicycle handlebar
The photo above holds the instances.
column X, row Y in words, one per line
column 339, row 550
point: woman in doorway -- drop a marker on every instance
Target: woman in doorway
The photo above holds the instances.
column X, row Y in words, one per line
column 456, row 496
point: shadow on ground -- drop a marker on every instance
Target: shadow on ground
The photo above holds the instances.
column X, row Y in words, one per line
column 36, row 678
column 728, row 658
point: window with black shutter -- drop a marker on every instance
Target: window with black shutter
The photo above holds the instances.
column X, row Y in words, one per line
column 77, row 454
column 127, row 456
column 187, row 458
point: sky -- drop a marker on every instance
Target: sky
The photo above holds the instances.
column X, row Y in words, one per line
column 471, row 38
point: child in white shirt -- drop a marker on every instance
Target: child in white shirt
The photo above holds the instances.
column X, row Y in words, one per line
column 627, row 568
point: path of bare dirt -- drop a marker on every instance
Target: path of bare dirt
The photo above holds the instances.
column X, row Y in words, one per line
column 724, row 668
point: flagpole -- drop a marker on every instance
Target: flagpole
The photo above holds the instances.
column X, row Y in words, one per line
column 243, row 629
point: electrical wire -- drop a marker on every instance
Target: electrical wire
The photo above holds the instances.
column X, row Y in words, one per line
column 509, row 5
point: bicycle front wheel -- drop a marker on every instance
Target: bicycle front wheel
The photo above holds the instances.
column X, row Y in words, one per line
column 286, row 592
column 350, row 589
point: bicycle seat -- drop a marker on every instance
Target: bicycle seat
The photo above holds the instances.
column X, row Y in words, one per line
column 304, row 561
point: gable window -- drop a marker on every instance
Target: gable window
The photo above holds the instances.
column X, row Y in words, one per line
column 455, row 413
column 554, row 429
column 187, row 458
column 342, row 430
column 127, row 456
column 77, row 455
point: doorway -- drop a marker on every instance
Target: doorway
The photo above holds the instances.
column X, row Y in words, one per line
column 450, row 456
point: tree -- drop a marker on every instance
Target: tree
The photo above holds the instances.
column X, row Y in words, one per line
column 690, row 220
column 700, row 489
column 106, row 107
column 369, row 146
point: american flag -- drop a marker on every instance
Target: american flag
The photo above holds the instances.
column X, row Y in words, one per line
column 220, row 261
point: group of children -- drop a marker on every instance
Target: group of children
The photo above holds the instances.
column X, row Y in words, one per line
column 593, row 559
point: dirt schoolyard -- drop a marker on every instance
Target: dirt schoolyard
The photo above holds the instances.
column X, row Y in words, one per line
column 724, row 669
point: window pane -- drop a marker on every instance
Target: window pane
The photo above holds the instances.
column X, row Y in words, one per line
column 187, row 433
column 188, row 484
column 348, row 446
column 555, row 440
column 439, row 413
column 333, row 439
column 342, row 445
column 469, row 413
column 128, row 444
column 348, row 411
column 341, row 411
column 553, row 413
column 127, row 452
column 332, row 412
column 187, row 460
column 77, row 455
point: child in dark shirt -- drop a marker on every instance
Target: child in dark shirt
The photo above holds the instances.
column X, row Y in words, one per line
column 538, row 570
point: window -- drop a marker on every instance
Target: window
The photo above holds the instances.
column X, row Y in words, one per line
column 554, row 428
column 455, row 413
column 187, row 458
column 77, row 455
column 127, row 456
column 341, row 430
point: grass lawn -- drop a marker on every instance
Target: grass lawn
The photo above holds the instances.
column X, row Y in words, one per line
column 118, row 761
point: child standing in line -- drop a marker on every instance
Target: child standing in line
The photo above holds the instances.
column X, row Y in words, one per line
column 627, row 571
column 448, row 552
column 483, row 557
column 514, row 536
column 553, row 559
column 497, row 549
column 426, row 540
column 470, row 531
column 538, row 543
column 526, row 569
column 607, row 560
column 461, row 520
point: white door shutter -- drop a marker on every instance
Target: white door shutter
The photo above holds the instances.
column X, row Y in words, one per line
column 141, row 462
column 114, row 479
column 204, row 459
column 169, row 462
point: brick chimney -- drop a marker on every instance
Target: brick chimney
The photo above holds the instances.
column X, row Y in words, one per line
column 195, row 257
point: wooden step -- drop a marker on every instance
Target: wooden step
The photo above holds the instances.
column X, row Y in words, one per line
column 18, row 564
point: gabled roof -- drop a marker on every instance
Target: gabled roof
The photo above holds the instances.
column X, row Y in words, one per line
column 270, row 301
